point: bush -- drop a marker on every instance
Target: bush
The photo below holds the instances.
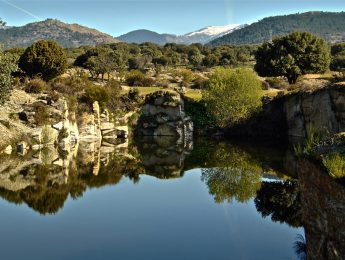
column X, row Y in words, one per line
column 71, row 85
column 96, row 93
column 277, row 83
column 114, row 84
column 36, row 86
column 233, row 95
column 134, row 77
column 133, row 95
column 44, row 58
column 335, row 164
column 163, row 83
column 137, row 78
column 200, row 83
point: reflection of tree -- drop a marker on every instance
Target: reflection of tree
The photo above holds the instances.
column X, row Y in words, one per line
column 281, row 200
column 300, row 247
column 237, row 176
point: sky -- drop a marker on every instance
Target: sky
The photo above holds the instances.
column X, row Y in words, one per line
column 117, row 17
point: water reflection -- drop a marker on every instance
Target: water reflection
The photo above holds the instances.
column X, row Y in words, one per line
column 232, row 173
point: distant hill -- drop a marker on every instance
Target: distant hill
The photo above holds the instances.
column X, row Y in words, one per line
column 141, row 36
column 67, row 35
column 329, row 26
column 203, row 35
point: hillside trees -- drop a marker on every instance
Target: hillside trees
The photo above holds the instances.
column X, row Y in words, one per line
column 8, row 65
column 232, row 95
column 44, row 58
column 293, row 55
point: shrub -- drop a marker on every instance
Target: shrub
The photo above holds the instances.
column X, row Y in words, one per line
column 36, row 86
column 137, row 78
column 71, row 85
column 7, row 67
column 96, row 93
column 335, row 165
column 114, row 84
column 133, row 95
column 44, row 58
column 277, row 83
column 200, row 83
column 233, row 95
column 134, row 77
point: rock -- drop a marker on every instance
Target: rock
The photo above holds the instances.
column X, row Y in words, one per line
column 8, row 150
column 163, row 115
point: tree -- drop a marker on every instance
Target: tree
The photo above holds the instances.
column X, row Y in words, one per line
column 44, row 58
column 232, row 95
column 338, row 58
column 104, row 62
column 8, row 65
column 2, row 23
column 293, row 55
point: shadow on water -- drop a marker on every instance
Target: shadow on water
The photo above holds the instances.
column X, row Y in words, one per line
column 299, row 194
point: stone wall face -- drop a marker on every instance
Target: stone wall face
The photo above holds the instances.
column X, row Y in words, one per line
column 298, row 115
column 322, row 112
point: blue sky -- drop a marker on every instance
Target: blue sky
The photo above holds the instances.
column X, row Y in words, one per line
column 171, row 16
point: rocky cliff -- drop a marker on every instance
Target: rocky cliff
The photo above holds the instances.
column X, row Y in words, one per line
column 163, row 115
column 298, row 115
column 42, row 121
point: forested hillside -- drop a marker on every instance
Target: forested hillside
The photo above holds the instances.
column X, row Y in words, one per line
column 327, row 25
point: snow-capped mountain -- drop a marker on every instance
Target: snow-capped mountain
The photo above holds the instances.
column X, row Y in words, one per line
column 210, row 33
column 203, row 35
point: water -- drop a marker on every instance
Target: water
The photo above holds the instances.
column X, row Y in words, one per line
column 151, row 201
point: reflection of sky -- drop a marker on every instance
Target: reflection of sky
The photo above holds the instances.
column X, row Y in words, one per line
column 154, row 219
column 172, row 16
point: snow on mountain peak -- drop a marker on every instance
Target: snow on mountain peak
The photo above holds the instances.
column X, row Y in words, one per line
column 214, row 30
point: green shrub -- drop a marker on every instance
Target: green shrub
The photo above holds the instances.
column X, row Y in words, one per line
column 134, row 77
column 114, row 84
column 200, row 83
column 44, row 58
column 335, row 164
column 96, row 93
column 71, row 85
column 137, row 78
column 233, row 95
column 277, row 83
column 36, row 86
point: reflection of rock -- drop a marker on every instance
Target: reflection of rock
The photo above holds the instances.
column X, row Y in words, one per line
column 163, row 115
column 163, row 157
column 323, row 203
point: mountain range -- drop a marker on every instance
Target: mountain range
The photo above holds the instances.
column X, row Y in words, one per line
column 328, row 25
column 203, row 35
column 68, row 35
